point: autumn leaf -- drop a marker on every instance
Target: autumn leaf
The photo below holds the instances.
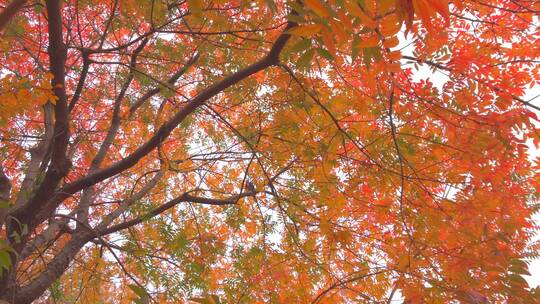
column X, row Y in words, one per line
column 306, row 30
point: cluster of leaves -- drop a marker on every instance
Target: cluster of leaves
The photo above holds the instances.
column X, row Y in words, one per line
column 269, row 151
column 22, row 94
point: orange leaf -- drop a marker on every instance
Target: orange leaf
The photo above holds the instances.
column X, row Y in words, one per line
column 368, row 42
column 317, row 7
column 441, row 6
column 307, row 30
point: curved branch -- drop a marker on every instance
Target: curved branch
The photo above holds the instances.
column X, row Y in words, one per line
column 184, row 198
column 342, row 283
column 139, row 102
column 9, row 12
column 271, row 59
column 59, row 164
column 54, row 269
column 5, row 190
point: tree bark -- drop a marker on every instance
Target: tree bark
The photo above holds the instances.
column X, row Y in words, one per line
column 9, row 12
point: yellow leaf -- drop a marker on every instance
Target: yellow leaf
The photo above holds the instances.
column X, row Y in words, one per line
column 195, row 6
column 344, row 236
column 403, row 262
column 325, row 227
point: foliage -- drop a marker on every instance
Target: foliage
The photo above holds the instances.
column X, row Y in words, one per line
column 268, row 151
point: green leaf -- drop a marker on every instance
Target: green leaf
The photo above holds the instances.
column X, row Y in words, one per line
column 138, row 290
column 371, row 53
column 167, row 90
column 325, row 54
column 305, row 59
column 272, row 6
column 15, row 28
column 5, row 260
column 300, row 46
column 56, row 291
column 16, row 236
column 24, row 229
column 518, row 263
column 295, row 18
column 516, row 279
column 405, row 147
column 518, row 266
column 38, row 8
column 297, row 8
column 519, row 270
column 355, row 50
column 362, row 3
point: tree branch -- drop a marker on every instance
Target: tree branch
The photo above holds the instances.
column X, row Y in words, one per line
column 54, row 269
column 271, row 59
column 9, row 12
column 88, row 193
column 59, row 165
column 82, row 80
column 37, row 157
column 184, row 198
column 5, row 190
column 155, row 90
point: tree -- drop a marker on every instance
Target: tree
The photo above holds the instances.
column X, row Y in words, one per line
column 268, row 151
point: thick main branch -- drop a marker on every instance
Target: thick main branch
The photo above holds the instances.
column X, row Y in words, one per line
column 272, row 58
column 50, row 202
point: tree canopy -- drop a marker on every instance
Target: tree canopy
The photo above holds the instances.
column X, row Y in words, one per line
column 268, row 151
